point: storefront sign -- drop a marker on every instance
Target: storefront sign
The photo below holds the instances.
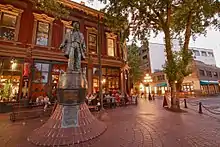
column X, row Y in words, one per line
column 70, row 116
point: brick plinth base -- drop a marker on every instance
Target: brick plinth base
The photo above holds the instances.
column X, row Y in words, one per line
column 51, row 133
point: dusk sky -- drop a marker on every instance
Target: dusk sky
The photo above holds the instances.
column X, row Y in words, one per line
column 211, row 41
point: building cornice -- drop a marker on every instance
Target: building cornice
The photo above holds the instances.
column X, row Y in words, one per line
column 43, row 17
column 10, row 9
column 82, row 7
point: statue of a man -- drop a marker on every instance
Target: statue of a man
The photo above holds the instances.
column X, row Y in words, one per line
column 74, row 48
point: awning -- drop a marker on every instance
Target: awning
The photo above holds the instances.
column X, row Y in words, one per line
column 161, row 85
column 203, row 82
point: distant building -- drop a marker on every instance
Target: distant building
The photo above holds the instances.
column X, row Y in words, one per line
column 158, row 55
column 205, row 76
column 145, row 59
column 204, row 55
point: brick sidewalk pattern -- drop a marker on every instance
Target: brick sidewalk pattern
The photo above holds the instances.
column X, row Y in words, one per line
column 146, row 125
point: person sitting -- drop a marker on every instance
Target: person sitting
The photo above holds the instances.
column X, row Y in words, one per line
column 46, row 101
column 39, row 100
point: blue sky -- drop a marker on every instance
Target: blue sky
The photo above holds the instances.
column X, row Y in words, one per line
column 211, row 41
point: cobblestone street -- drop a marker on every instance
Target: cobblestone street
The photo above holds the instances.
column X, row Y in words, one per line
column 146, row 125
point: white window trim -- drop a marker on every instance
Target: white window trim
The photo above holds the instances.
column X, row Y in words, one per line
column 46, row 19
column 13, row 11
column 114, row 37
column 91, row 30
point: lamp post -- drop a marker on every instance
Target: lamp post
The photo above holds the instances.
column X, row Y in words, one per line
column 147, row 81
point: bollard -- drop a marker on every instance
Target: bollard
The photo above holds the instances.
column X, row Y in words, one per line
column 200, row 107
column 185, row 103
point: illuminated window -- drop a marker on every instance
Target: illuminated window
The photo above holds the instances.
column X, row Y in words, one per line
column 111, row 44
column 42, row 35
column 111, row 47
column 41, row 72
column 7, row 26
column 92, row 39
column 92, row 43
column 42, row 29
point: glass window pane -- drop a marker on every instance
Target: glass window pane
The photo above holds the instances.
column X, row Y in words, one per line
column 37, row 66
column 92, row 43
column 44, row 77
column 45, row 67
column 9, row 20
column 43, row 27
column 111, row 50
column 7, row 33
column 42, row 39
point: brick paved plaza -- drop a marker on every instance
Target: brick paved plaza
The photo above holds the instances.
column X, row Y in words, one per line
column 144, row 125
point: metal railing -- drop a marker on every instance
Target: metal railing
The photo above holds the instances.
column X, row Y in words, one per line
column 201, row 107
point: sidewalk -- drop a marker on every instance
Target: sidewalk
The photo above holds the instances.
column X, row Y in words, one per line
column 146, row 125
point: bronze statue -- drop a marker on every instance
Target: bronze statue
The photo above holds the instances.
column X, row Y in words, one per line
column 74, row 48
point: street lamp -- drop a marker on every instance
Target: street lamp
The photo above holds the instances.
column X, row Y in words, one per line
column 147, row 81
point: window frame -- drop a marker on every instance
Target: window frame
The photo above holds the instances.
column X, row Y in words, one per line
column 41, row 71
column 210, row 54
column 94, row 31
column 37, row 31
column 11, row 10
column 202, row 53
column 201, row 70
column 196, row 51
column 114, row 38
column 209, row 73
column 45, row 19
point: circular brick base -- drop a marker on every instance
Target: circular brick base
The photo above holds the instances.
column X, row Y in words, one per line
column 51, row 133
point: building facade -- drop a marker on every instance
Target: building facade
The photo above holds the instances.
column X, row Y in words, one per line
column 30, row 58
column 205, row 76
column 204, row 80
column 145, row 59
column 204, row 55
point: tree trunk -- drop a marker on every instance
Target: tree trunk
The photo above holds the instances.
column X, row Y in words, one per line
column 185, row 48
column 170, row 59
column 179, row 85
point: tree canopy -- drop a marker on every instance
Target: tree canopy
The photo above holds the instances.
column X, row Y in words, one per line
column 175, row 18
column 134, row 63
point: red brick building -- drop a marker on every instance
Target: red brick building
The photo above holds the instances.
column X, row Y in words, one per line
column 30, row 60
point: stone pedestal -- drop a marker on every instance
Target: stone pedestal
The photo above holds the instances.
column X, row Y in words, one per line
column 72, row 121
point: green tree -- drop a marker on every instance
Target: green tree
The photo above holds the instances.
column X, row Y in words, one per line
column 134, row 62
column 175, row 18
